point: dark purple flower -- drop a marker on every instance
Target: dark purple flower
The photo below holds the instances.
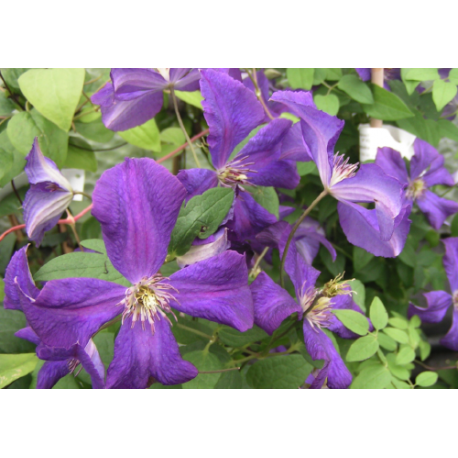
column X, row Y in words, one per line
column 438, row 302
column 135, row 94
column 137, row 204
column 232, row 111
column 49, row 195
column 348, row 184
column 426, row 170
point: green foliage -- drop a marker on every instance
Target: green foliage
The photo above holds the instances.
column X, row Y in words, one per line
column 328, row 103
column 363, row 348
column 378, row 314
column 204, row 361
column 300, row 78
column 193, row 98
column 146, row 136
column 387, row 106
column 356, row 89
column 427, row 378
column 13, row 367
column 267, row 197
column 353, row 321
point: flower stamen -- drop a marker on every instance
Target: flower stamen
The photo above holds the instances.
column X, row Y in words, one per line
column 235, row 173
column 342, row 169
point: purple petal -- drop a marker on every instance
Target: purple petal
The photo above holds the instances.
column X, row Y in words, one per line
column 364, row 73
column 293, row 146
column 141, row 357
column 320, row 346
column 451, row 338
column 438, row 303
column 229, row 121
column 185, row 79
column 90, row 360
column 131, row 83
column 216, row 289
column 50, row 373
column 391, row 162
column 28, row 334
column 197, row 181
column 272, row 235
column 437, row 209
column 272, row 304
column 137, row 203
column 451, row 261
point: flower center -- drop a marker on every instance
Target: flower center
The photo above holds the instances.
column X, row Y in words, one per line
column 416, row 188
column 337, row 287
column 320, row 315
column 342, row 169
column 307, row 297
column 148, row 300
column 234, row 173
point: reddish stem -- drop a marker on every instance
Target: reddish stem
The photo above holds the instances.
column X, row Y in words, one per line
column 182, row 147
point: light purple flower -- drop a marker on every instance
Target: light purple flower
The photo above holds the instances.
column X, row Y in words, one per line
column 426, row 170
column 49, row 195
column 135, row 94
column 137, row 204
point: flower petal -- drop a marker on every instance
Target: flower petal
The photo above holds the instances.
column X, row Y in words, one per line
column 185, row 79
column 231, row 110
column 50, row 373
column 391, row 162
column 197, row 181
column 131, row 83
column 451, row 261
column 437, row 209
column 28, row 334
column 451, row 338
column 216, row 289
column 437, row 304
column 140, row 356
column 137, row 204
column 293, row 147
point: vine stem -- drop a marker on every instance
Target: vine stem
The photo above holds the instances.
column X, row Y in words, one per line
column 220, row 370
column 293, row 231
column 257, row 90
column 182, row 147
column 180, row 122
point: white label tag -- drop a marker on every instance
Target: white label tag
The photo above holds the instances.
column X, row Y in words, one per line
column 76, row 178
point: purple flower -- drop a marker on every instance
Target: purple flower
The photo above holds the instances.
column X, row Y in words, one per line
column 388, row 74
column 232, row 112
column 438, row 302
column 49, row 195
column 137, row 204
column 426, row 170
column 135, row 94
column 350, row 185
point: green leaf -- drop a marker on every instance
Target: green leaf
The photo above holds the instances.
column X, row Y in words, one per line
column 448, row 129
column 356, row 89
column 387, row 106
column 397, row 334
column 333, row 74
column 300, row 78
column 386, row 342
column 78, row 158
column 6, row 105
column 230, row 380
column 6, row 159
column 426, row 378
column 13, row 367
column 399, row 371
column 362, row 348
column 234, row 338
column 146, row 136
column 373, row 377
column 201, row 217
column 426, row 129
column 399, row 385
column 204, row 361
column 419, row 74
column 280, row 372
column 361, row 258
column 267, row 197
column 94, row 131
column 18, row 161
column 399, row 323
column 307, row 168
column 54, row 92
column 425, row 349
column 12, row 75
column 193, row 98
column 327, row 103
column 95, row 244
column 453, row 75
column 25, row 126
column 359, row 294
column 378, row 314
column 10, row 322
column 406, row 355
column 352, row 320
column 291, row 117
column 2, row 290
column 443, row 93
column 80, row 265
column 173, row 135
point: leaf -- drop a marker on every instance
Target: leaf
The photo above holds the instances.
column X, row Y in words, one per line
column 80, row 265
column 356, row 89
column 2, row 290
column 201, row 217
column 204, row 361
column 12, row 75
column 448, row 129
column 419, row 74
column 230, row 380
column 94, row 131
column 453, row 75
column 307, row 168
column 352, row 320
column 397, row 334
column 327, row 103
column 145, row 136
column 6, row 105
column 10, row 322
column 387, row 106
column 78, row 158
column 372, row 378
column 280, row 372
column 359, row 294
column 378, row 314
column 18, row 161
column 300, row 78
column 361, row 258
column 443, row 93
column 6, row 159
column 267, row 197
column 399, row 323
column 193, row 98
column 173, row 135
column 426, row 129
column 95, row 244
column 55, row 92
column 13, row 367
column 333, row 74
column 426, row 378
column 400, row 385
column 425, row 349
column 406, row 355
column 362, row 348
column 234, row 338
column 386, row 342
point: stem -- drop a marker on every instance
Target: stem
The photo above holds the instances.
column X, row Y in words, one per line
column 12, row 95
column 195, row 331
column 435, row 368
column 100, row 149
column 220, row 370
column 85, row 113
column 15, row 191
column 85, row 194
column 182, row 147
column 73, row 227
column 293, row 231
column 259, row 259
column 257, row 90
column 180, row 122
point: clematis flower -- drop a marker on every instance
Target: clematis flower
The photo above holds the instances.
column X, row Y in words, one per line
column 426, row 170
column 135, row 94
column 371, row 229
column 259, row 162
column 137, row 204
column 438, row 302
column 272, row 304
column 49, row 195
column 388, row 74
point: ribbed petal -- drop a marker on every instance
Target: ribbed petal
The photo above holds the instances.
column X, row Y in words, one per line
column 185, row 79
column 437, row 209
column 216, row 289
column 437, row 304
column 137, row 203
column 272, row 304
column 294, row 147
column 131, row 83
column 231, row 110
column 51, row 372
column 141, row 357
column 197, row 181
column 451, row 338
column 391, row 162
column 28, row 334
column 451, row 261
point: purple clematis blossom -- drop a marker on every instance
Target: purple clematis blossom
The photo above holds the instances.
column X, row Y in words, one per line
column 371, row 229
column 49, row 195
column 426, row 170
column 137, row 204
column 438, row 302
column 259, row 163
column 135, row 94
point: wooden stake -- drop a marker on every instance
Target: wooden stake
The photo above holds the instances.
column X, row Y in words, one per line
column 377, row 78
